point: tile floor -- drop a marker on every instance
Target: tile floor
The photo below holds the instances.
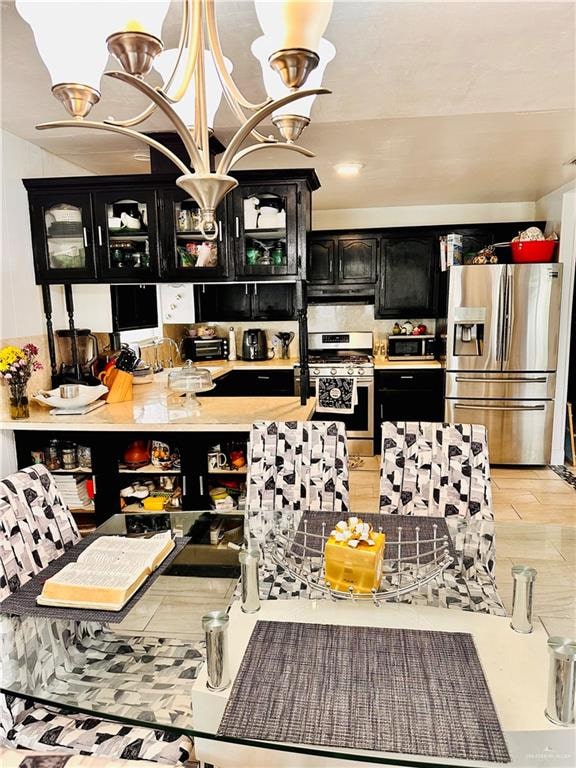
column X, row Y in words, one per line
column 535, row 512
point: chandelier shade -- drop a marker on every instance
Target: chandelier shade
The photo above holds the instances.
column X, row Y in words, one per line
column 166, row 62
column 293, row 23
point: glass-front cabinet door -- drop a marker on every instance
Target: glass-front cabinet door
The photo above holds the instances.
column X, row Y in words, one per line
column 63, row 237
column 265, row 237
column 188, row 255
column 126, row 234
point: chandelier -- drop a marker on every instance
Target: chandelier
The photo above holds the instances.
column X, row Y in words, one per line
column 194, row 76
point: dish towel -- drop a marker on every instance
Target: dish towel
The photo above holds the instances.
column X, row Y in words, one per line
column 336, row 395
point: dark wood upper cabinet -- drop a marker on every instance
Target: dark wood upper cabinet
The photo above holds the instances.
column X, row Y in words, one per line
column 126, row 235
column 407, row 272
column 74, row 240
column 342, row 263
column 245, row 301
column 357, row 259
column 63, row 237
column 321, row 261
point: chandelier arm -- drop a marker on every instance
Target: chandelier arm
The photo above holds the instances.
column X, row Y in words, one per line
column 191, row 25
column 151, row 108
column 226, row 79
column 244, row 131
column 117, row 129
column 277, row 145
column 159, row 98
column 242, row 119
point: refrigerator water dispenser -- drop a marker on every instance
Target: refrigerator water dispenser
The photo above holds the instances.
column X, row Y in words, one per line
column 469, row 330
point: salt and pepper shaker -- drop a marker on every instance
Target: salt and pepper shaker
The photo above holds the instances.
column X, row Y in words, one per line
column 524, row 578
column 232, row 344
column 249, row 560
column 562, row 681
column 215, row 626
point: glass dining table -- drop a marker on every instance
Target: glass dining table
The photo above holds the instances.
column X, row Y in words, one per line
column 313, row 679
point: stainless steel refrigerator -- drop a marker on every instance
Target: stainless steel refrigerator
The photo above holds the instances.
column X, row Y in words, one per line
column 501, row 355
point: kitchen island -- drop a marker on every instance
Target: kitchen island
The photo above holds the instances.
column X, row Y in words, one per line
column 155, row 415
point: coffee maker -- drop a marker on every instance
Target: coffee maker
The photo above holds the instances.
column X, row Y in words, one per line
column 254, row 345
column 78, row 352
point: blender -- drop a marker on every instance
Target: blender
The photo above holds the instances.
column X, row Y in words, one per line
column 78, row 351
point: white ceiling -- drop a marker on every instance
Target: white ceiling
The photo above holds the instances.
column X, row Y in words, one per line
column 443, row 102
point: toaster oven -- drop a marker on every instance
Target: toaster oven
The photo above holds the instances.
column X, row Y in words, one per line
column 411, row 347
column 204, row 349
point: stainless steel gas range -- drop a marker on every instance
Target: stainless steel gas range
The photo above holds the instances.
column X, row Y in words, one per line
column 346, row 355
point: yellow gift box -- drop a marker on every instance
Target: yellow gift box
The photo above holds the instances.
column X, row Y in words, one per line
column 359, row 567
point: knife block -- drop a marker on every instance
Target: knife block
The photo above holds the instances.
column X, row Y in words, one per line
column 119, row 385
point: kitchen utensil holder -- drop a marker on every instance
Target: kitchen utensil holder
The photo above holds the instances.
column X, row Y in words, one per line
column 215, row 626
column 562, row 681
column 522, row 595
column 249, row 561
column 301, row 553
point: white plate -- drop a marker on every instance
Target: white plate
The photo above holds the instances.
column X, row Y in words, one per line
column 86, row 395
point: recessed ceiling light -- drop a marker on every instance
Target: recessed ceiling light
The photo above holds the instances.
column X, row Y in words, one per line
column 348, row 169
column 142, row 157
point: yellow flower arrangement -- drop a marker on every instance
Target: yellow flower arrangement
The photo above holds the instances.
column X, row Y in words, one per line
column 16, row 367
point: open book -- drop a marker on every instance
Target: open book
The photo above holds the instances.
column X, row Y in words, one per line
column 107, row 573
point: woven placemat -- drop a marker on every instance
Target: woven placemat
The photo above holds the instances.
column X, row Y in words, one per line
column 392, row 690
column 23, row 602
column 389, row 525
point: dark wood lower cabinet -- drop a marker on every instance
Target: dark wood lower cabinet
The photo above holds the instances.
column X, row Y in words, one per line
column 407, row 395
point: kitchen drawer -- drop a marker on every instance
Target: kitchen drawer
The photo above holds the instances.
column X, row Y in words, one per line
column 409, row 379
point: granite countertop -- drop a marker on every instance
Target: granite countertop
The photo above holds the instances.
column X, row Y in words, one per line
column 155, row 409
column 382, row 363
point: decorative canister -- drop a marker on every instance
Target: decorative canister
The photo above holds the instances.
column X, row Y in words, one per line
column 137, row 454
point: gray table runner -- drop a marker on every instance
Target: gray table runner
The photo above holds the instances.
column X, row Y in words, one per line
column 389, row 525
column 23, row 602
column 392, row 690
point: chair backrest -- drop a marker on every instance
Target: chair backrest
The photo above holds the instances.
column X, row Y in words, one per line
column 36, row 527
column 440, row 470
column 300, row 465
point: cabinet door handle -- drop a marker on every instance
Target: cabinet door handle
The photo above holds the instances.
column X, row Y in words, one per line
column 264, row 378
column 381, row 412
column 406, row 377
column 237, row 227
column 94, row 484
column 85, row 233
column 330, row 267
column 201, row 485
column 220, row 231
column 246, row 288
column 255, row 289
column 183, row 485
column 99, row 235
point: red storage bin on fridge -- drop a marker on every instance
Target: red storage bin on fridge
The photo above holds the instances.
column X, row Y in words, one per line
column 532, row 251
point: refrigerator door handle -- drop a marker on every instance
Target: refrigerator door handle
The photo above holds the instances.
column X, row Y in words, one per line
column 513, row 380
column 499, row 407
column 507, row 326
column 500, row 311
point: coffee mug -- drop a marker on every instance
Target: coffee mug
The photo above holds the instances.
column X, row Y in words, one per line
column 217, row 460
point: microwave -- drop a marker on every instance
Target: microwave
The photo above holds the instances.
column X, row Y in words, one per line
column 204, row 349
column 411, row 347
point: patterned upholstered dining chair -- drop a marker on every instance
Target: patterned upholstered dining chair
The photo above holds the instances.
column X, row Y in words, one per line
column 299, row 465
column 35, row 528
column 443, row 470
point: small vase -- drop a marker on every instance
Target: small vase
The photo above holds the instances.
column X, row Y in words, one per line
column 19, row 407
column 137, row 454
